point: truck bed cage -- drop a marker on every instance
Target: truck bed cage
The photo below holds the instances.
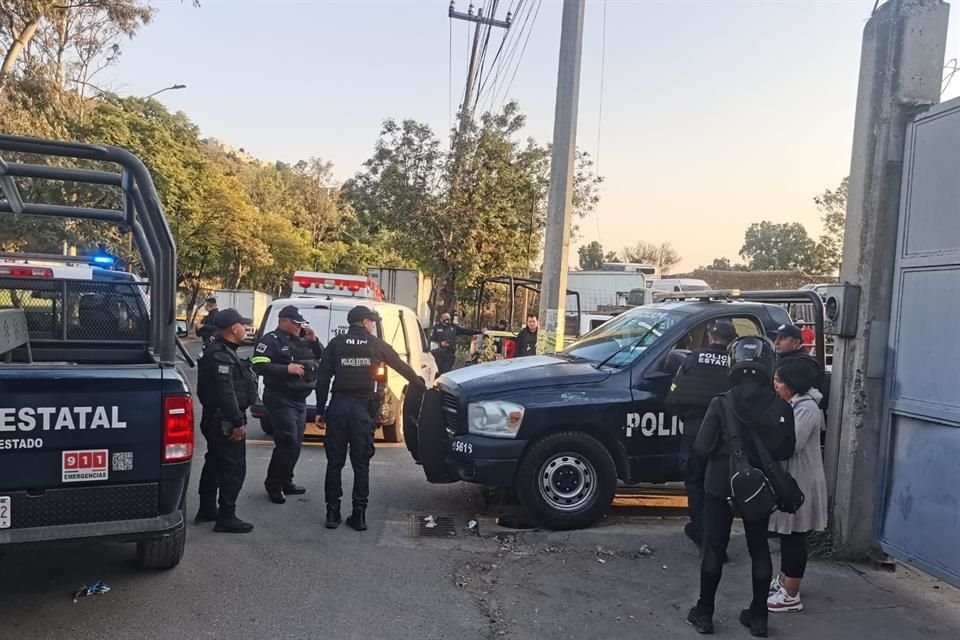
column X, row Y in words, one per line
column 140, row 213
column 530, row 284
column 785, row 297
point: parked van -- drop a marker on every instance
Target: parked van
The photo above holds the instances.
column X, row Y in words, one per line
column 679, row 285
column 399, row 327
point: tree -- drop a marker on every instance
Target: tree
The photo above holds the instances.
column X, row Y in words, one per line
column 724, row 264
column 833, row 207
column 769, row 246
column 591, row 256
column 460, row 216
column 662, row 256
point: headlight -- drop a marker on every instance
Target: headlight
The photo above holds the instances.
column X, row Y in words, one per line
column 494, row 418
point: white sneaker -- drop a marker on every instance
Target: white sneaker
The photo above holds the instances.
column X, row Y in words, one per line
column 782, row 601
column 775, row 585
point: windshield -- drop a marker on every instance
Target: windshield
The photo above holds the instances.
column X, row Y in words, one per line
column 640, row 328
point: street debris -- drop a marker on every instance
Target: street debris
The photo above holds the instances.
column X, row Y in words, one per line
column 601, row 561
column 97, row 588
column 645, row 550
column 431, row 522
column 473, row 527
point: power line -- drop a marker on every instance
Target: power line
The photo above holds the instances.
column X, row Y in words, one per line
column 509, row 48
column 522, row 51
column 450, row 81
column 603, row 61
column 952, row 67
column 496, row 66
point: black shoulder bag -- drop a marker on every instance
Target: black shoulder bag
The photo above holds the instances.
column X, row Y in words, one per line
column 788, row 493
column 751, row 495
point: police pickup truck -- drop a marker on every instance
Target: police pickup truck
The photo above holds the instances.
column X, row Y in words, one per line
column 562, row 430
column 96, row 422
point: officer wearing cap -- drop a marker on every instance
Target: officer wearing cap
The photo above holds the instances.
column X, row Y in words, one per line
column 226, row 387
column 208, row 329
column 351, row 360
column 288, row 359
column 703, row 374
column 789, row 345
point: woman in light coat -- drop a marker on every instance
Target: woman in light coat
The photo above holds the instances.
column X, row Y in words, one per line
column 793, row 382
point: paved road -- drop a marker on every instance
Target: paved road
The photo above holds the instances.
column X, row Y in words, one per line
column 293, row 579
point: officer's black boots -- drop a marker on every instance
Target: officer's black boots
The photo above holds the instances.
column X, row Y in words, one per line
column 206, row 514
column 233, row 524
column 358, row 519
column 333, row 517
column 276, row 496
column 294, row 490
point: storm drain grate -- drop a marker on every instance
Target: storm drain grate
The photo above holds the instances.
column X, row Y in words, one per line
column 433, row 527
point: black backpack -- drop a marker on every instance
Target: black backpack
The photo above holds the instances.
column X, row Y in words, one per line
column 756, row 493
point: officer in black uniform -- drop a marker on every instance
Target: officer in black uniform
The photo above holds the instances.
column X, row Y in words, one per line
column 288, row 359
column 208, row 330
column 226, row 387
column 789, row 345
column 445, row 334
column 703, row 374
column 352, row 360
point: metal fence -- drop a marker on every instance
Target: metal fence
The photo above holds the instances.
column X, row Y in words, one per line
column 80, row 311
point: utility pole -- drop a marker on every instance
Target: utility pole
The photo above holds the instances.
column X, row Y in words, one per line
column 466, row 109
column 553, row 285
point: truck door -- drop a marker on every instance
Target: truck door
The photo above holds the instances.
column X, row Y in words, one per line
column 654, row 436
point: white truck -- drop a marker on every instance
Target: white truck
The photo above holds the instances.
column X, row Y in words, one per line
column 406, row 287
column 607, row 287
column 250, row 304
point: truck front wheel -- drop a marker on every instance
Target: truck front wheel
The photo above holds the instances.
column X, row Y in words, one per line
column 567, row 480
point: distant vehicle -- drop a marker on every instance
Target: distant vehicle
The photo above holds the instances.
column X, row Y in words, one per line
column 398, row 326
column 562, row 430
column 406, row 287
column 679, row 285
column 97, row 428
column 250, row 304
column 607, row 287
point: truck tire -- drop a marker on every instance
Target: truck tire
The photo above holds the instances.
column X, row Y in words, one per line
column 266, row 425
column 567, row 480
column 165, row 552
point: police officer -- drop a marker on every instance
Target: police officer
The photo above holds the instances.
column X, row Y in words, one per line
column 288, row 359
column 352, row 360
column 208, row 330
column 226, row 387
column 445, row 334
column 703, row 374
column 789, row 345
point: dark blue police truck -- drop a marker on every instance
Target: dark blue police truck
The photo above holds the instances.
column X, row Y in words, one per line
column 96, row 422
column 564, row 430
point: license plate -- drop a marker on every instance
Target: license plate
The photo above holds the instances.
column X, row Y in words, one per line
column 5, row 512
column 463, row 448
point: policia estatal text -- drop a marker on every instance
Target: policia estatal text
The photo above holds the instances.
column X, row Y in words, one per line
column 288, row 359
column 226, row 387
column 352, row 361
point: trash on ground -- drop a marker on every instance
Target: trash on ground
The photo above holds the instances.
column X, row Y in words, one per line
column 645, row 550
column 601, row 561
column 97, row 588
column 431, row 522
column 472, row 525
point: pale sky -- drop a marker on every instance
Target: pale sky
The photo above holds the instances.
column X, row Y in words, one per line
column 715, row 114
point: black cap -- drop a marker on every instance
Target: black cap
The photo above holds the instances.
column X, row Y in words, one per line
column 226, row 318
column 292, row 313
column 211, row 300
column 361, row 313
column 724, row 330
column 790, row 331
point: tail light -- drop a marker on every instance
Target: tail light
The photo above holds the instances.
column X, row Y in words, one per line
column 177, row 428
column 381, row 374
column 26, row 272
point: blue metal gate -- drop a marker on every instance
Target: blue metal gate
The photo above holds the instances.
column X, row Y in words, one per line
column 919, row 511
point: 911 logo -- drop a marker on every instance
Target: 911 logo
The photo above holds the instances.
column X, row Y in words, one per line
column 85, row 466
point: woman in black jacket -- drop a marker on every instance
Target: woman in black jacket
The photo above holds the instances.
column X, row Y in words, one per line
column 756, row 407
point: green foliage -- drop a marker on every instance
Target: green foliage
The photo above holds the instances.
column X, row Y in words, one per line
column 833, row 209
column 591, row 256
column 770, row 246
column 466, row 213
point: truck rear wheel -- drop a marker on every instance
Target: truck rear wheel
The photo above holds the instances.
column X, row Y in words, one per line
column 165, row 552
column 567, row 480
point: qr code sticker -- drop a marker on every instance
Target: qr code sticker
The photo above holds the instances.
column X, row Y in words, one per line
column 122, row 461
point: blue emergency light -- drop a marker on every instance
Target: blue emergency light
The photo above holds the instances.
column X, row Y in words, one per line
column 102, row 258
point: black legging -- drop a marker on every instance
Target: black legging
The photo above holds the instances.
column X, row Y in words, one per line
column 793, row 554
column 717, row 520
